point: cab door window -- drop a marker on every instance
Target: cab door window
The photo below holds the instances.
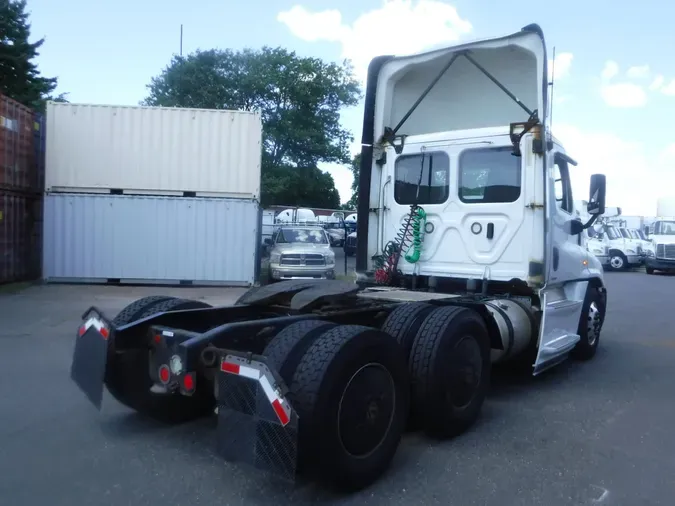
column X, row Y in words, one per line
column 562, row 185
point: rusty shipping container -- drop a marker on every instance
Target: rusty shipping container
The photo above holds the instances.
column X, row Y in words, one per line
column 20, row 237
column 22, row 148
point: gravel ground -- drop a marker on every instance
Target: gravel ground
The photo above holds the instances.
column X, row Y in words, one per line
column 582, row 434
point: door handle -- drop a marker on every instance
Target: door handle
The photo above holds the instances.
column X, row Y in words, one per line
column 490, row 230
column 556, row 258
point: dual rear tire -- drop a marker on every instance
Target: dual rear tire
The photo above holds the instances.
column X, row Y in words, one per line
column 354, row 387
column 349, row 385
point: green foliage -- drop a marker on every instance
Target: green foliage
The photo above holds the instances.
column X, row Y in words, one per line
column 299, row 100
column 355, row 167
column 19, row 76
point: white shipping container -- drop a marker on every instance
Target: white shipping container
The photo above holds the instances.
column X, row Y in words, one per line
column 97, row 238
column 153, row 150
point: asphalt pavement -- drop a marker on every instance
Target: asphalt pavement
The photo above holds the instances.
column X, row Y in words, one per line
column 582, row 434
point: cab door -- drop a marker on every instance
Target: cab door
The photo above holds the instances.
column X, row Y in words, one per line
column 563, row 297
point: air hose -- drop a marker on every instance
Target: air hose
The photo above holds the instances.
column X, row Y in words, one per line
column 418, row 224
column 408, row 239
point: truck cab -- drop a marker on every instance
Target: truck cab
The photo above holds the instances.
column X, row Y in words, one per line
column 662, row 236
column 465, row 184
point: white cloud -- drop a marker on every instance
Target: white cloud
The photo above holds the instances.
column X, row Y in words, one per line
column 657, row 83
column 668, row 89
column 638, row 72
column 397, row 27
column 561, row 66
column 620, row 94
column 624, row 95
column 611, row 70
column 634, row 173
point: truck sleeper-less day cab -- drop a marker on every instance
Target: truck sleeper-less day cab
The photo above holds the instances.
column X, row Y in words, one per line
column 469, row 253
column 662, row 235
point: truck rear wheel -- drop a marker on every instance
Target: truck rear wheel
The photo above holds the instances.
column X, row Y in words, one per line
column 128, row 380
column 450, row 370
column 131, row 312
column 404, row 322
column 590, row 325
column 351, row 392
column 285, row 351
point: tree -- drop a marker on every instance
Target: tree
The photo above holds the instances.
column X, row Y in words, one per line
column 19, row 76
column 299, row 100
column 355, row 167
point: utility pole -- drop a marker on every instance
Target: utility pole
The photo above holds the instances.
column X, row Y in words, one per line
column 181, row 39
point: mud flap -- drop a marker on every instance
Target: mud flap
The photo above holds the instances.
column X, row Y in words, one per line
column 558, row 330
column 90, row 355
column 256, row 424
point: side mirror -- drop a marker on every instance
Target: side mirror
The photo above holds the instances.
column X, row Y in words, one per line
column 596, row 200
column 575, row 227
column 268, row 241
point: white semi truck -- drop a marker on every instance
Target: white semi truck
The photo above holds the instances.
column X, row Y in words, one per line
column 662, row 237
column 624, row 251
column 469, row 253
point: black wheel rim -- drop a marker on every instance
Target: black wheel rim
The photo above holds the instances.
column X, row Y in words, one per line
column 366, row 410
column 464, row 372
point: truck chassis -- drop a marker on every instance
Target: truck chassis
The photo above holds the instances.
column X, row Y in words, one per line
column 308, row 378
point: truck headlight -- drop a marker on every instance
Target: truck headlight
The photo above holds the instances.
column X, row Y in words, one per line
column 630, row 251
column 330, row 259
column 275, row 258
column 598, row 252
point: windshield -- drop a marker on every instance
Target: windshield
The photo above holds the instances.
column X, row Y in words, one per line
column 624, row 233
column 302, row 235
column 665, row 228
column 641, row 235
column 634, row 234
column 613, row 233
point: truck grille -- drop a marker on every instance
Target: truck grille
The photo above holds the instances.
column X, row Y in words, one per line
column 300, row 259
column 351, row 241
column 666, row 251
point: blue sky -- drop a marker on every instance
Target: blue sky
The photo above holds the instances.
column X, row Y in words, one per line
column 615, row 92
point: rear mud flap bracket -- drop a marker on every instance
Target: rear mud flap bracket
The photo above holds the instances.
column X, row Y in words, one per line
column 90, row 355
column 256, row 425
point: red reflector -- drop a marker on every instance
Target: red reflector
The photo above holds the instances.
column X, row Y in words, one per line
column 164, row 374
column 229, row 367
column 279, row 410
column 157, row 338
column 104, row 332
column 82, row 330
column 188, row 382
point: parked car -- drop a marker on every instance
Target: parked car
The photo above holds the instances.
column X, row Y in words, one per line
column 301, row 252
column 336, row 232
column 350, row 244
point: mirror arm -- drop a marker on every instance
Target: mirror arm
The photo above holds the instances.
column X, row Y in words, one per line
column 591, row 221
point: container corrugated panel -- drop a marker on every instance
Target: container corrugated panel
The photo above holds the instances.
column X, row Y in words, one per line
column 20, row 237
column 153, row 150
column 21, row 149
column 98, row 238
